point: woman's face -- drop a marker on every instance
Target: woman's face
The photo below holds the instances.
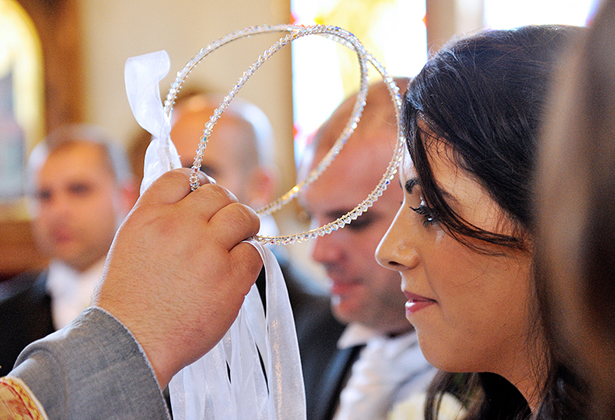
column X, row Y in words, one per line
column 470, row 309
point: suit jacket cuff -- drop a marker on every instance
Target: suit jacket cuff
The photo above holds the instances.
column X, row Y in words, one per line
column 93, row 368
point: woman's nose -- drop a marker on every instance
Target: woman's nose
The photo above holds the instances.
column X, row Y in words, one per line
column 396, row 250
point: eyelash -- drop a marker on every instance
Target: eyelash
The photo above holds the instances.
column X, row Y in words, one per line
column 429, row 215
column 359, row 224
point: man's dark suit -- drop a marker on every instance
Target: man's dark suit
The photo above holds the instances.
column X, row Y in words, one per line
column 329, row 386
column 25, row 315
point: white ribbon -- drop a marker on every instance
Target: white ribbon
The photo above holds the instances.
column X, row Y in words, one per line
column 254, row 372
column 142, row 76
column 229, row 382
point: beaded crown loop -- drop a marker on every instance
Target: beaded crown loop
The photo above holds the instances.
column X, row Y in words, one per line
column 294, row 32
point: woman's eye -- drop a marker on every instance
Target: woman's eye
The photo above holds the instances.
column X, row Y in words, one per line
column 429, row 215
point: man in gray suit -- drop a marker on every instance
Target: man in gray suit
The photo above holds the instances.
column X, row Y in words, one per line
column 155, row 311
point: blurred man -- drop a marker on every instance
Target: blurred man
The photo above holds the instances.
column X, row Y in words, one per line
column 379, row 361
column 81, row 190
column 239, row 157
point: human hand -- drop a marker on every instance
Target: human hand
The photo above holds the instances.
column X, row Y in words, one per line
column 177, row 272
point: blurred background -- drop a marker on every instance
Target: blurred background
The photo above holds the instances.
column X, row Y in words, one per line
column 63, row 61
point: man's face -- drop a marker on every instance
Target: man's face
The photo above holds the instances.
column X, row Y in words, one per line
column 362, row 291
column 79, row 205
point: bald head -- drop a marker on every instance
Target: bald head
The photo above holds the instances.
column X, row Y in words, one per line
column 378, row 125
column 238, row 153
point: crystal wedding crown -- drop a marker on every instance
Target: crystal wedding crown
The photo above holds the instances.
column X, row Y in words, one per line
column 294, row 32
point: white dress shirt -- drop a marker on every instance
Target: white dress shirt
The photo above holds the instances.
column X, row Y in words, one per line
column 71, row 291
column 387, row 371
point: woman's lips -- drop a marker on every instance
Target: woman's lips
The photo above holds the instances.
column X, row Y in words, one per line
column 416, row 302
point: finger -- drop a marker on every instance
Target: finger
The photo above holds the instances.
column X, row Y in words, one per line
column 232, row 224
column 247, row 263
column 171, row 187
column 208, row 200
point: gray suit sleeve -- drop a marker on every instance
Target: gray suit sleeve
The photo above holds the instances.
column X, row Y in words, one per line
column 92, row 369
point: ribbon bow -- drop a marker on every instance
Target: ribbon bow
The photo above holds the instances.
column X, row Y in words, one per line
column 142, row 76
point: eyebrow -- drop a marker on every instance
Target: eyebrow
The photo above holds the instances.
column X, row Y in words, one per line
column 413, row 182
column 410, row 184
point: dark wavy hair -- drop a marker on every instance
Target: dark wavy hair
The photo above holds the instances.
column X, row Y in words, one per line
column 484, row 97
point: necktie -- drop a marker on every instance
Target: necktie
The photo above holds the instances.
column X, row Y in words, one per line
column 384, row 367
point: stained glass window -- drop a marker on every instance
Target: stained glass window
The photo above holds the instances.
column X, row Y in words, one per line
column 21, row 97
column 324, row 73
column 21, row 103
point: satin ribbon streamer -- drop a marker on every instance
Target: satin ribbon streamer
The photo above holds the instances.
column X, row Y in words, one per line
column 230, row 382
